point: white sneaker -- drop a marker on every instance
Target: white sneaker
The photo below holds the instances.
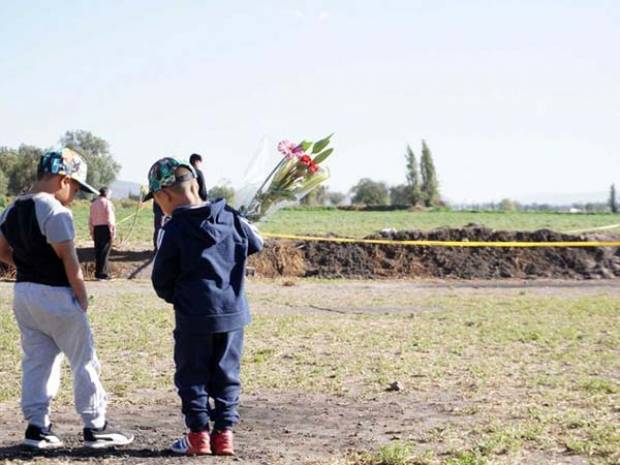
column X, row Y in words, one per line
column 101, row 438
column 41, row 438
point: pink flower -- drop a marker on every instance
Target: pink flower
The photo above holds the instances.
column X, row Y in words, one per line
column 290, row 150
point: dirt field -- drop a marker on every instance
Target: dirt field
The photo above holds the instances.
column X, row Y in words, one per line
column 488, row 372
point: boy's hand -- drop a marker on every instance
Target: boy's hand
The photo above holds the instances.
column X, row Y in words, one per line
column 67, row 253
column 6, row 252
column 83, row 304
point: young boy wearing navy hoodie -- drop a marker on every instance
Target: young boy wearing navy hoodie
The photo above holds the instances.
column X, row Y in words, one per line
column 200, row 268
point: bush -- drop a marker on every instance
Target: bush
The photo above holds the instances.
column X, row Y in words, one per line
column 369, row 192
column 222, row 192
column 128, row 203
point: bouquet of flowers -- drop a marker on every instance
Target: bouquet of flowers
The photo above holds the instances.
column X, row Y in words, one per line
column 298, row 173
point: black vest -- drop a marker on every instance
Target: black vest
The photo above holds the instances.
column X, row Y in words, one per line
column 35, row 259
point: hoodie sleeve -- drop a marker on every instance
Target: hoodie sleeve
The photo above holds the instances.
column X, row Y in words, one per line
column 255, row 241
column 166, row 266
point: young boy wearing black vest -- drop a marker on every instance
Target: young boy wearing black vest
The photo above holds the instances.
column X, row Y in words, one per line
column 50, row 302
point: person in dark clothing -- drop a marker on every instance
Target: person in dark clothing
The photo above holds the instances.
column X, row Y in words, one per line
column 196, row 161
column 200, row 269
column 158, row 217
column 102, row 224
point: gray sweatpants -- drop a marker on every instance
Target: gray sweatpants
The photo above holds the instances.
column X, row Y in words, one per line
column 52, row 323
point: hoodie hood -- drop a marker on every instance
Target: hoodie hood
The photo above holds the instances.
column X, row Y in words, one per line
column 211, row 221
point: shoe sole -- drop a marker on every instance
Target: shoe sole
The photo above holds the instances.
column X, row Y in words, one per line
column 107, row 444
column 41, row 445
column 190, row 454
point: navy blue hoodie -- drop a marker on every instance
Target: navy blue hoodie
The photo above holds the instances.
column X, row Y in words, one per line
column 200, row 267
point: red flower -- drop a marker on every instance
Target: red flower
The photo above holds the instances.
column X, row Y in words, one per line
column 313, row 167
column 306, row 160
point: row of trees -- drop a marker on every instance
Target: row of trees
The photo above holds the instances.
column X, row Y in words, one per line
column 18, row 167
column 591, row 207
column 421, row 187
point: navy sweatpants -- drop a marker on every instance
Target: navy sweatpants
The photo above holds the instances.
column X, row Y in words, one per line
column 207, row 368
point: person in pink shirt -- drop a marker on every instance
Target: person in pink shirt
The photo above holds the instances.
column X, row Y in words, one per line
column 102, row 224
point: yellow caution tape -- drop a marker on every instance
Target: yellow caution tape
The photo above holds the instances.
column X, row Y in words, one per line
column 127, row 218
column 599, row 228
column 445, row 243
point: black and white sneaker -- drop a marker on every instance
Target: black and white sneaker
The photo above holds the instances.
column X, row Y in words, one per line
column 101, row 438
column 41, row 438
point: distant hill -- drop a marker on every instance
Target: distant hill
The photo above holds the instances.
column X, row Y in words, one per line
column 122, row 189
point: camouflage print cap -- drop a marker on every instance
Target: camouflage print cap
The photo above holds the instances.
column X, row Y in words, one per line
column 163, row 174
column 66, row 162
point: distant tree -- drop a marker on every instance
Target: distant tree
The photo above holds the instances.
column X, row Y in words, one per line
column 20, row 167
column 102, row 168
column 400, row 195
column 508, row 205
column 430, row 184
column 413, row 179
column 613, row 202
column 336, row 198
column 4, row 184
column 316, row 197
column 8, row 158
column 369, row 192
column 222, row 192
column 596, row 207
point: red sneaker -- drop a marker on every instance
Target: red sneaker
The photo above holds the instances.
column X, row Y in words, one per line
column 193, row 444
column 222, row 442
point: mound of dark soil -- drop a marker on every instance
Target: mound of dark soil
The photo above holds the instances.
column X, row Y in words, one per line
column 337, row 260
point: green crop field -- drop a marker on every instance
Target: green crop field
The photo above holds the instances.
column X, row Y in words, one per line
column 361, row 223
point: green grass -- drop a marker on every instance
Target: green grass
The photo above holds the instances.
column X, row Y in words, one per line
column 359, row 224
column 529, row 374
column 395, row 453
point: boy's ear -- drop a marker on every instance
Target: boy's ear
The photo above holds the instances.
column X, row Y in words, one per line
column 162, row 193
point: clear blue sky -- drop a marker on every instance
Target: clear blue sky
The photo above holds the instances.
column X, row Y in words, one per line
column 513, row 97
